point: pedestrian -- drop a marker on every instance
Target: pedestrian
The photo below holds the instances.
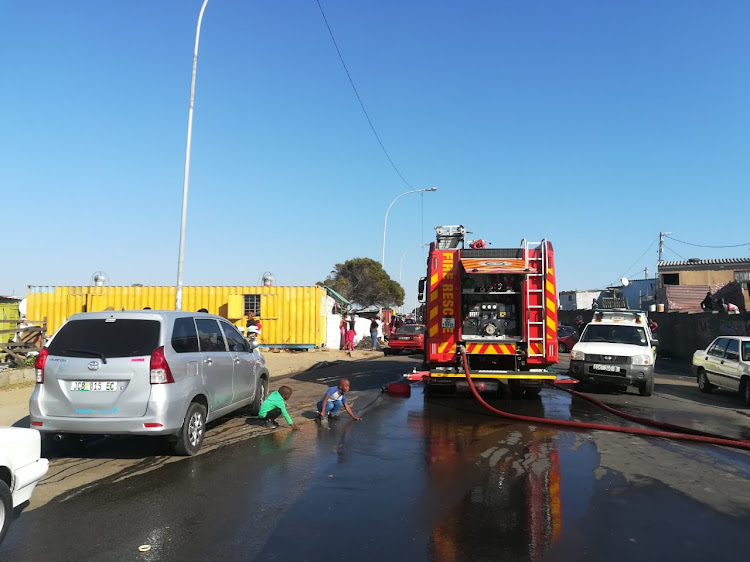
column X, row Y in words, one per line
column 333, row 400
column 594, row 304
column 342, row 329
column 721, row 305
column 275, row 406
column 708, row 302
column 732, row 308
column 580, row 325
column 252, row 320
column 653, row 326
column 374, row 333
column 350, row 339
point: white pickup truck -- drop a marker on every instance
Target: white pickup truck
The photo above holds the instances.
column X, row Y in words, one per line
column 21, row 467
column 724, row 364
column 616, row 349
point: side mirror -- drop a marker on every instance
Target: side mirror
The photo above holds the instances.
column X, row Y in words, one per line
column 421, row 285
column 655, row 343
column 254, row 343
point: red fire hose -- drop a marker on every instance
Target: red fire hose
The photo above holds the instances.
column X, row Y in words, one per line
column 700, row 438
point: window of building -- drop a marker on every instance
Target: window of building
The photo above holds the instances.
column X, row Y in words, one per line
column 252, row 304
column 742, row 277
column 670, row 278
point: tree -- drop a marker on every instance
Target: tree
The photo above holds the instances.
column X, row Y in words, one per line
column 365, row 282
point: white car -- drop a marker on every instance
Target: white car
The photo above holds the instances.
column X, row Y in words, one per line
column 724, row 364
column 21, row 467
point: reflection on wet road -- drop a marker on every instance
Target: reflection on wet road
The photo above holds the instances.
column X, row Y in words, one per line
column 421, row 479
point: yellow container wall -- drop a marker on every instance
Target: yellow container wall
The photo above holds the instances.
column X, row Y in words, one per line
column 290, row 316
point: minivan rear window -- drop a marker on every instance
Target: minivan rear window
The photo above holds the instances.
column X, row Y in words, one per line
column 98, row 337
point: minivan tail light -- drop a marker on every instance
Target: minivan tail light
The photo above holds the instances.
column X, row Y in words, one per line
column 160, row 373
column 39, row 362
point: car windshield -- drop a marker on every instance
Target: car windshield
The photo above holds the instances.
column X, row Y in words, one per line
column 410, row 329
column 633, row 335
column 746, row 350
column 106, row 338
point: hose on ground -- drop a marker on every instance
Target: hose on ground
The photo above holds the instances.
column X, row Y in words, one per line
column 644, row 421
column 723, row 441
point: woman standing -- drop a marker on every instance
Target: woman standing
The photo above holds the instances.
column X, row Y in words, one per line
column 342, row 328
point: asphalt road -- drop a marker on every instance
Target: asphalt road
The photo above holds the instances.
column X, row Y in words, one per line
column 425, row 479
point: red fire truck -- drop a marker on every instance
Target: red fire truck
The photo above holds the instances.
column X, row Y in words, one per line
column 499, row 303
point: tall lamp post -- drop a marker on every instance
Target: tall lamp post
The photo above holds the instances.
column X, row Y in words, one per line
column 181, row 258
column 385, row 224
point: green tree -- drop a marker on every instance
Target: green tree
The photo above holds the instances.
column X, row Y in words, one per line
column 365, row 282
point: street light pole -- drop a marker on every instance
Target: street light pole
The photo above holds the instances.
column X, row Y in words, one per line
column 385, row 224
column 183, row 221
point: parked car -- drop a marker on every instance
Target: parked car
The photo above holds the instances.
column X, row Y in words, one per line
column 567, row 336
column 616, row 349
column 724, row 364
column 21, row 467
column 145, row 372
column 409, row 337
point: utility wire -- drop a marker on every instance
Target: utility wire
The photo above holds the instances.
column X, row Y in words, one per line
column 359, row 99
column 639, row 259
column 705, row 246
column 671, row 250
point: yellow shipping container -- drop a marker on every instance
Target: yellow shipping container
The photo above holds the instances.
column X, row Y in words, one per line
column 291, row 317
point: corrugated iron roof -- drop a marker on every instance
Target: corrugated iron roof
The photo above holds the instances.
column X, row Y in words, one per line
column 698, row 261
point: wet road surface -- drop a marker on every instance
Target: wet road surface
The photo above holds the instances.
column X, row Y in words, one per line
column 435, row 479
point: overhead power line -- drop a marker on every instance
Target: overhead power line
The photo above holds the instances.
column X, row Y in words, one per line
column 671, row 250
column 359, row 99
column 639, row 259
column 706, row 246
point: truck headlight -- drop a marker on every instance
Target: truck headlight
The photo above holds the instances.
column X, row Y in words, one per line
column 642, row 360
column 577, row 355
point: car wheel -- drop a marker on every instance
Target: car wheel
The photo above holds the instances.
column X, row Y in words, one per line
column 386, row 351
column 6, row 509
column 703, row 383
column 646, row 388
column 193, row 429
column 261, row 393
column 562, row 348
column 746, row 391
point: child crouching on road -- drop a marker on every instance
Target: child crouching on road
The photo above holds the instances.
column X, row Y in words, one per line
column 333, row 400
column 275, row 406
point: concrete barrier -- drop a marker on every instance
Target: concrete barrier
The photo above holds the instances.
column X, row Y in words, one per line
column 16, row 376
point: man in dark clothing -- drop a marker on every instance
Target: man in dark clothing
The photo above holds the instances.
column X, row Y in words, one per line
column 580, row 325
column 708, row 302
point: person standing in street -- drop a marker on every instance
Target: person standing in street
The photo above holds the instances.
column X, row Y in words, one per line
column 275, row 406
column 374, row 333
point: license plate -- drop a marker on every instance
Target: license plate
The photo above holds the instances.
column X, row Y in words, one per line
column 610, row 368
column 94, row 386
column 405, row 338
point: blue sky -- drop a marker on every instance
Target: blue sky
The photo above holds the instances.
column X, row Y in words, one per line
column 595, row 124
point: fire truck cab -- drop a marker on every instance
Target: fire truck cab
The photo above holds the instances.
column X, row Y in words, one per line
column 500, row 304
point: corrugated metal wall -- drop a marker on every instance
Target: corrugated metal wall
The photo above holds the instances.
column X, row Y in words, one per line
column 8, row 311
column 290, row 316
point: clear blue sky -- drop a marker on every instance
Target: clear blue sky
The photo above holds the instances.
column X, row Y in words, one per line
column 595, row 124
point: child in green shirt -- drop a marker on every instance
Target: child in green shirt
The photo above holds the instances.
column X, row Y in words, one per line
column 274, row 406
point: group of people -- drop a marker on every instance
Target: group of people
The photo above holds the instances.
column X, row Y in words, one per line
column 348, row 333
column 327, row 407
column 710, row 303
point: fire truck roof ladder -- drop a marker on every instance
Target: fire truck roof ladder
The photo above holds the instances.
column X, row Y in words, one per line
column 450, row 237
column 535, row 279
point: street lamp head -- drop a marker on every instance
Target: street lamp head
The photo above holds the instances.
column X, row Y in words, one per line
column 431, row 189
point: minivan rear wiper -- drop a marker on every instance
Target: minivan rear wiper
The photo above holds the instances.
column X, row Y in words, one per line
column 89, row 352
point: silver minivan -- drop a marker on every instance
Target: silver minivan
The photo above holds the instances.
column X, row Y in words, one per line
column 145, row 372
